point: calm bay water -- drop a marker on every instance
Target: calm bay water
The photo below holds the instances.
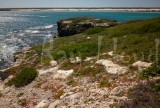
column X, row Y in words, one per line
column 24, row 29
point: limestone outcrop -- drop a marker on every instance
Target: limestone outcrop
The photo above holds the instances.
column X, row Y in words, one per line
column 73, row 26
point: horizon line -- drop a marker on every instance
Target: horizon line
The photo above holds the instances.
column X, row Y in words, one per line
column 79, row 7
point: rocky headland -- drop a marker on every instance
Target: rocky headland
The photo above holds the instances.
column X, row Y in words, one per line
column 72, row 26
column 72, row 74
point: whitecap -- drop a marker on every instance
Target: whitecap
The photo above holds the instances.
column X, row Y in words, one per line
column 21, row 34
column 28, row 31
column 48, row 26
column 43, row 16
column 36, row 31
column 48, row 35
column 32, row 31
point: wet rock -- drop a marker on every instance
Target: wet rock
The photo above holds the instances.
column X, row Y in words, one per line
column 26, row 49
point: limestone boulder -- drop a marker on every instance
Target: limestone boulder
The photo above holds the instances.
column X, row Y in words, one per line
column 112, row 68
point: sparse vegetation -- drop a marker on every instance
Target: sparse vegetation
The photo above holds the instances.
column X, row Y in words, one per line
column 90, row 71
column 104, row 83
column 20, row 94
column 96, row 30
column 22, row 102
column 72, row 82
column 135, row 38
column 58, row 94
column 153, row 71
column 143, row 96
column 26, row 76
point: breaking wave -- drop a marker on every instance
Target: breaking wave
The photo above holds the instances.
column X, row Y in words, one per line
column 17, row 40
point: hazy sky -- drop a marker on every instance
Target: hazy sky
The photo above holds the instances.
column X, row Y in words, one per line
column 79, row 3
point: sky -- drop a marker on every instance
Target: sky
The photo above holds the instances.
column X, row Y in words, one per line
column 78, row 3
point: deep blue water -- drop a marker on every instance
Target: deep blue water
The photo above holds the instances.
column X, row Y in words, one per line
column 23, row 29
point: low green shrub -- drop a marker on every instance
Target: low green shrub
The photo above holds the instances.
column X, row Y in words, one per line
column 79, row 49
column 104, row 83
column 92, row 31
column 156, row 87
column 26, row 76
column 151, row 72
column 90, row 71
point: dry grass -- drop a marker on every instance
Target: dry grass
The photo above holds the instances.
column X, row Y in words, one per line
column 143, row 96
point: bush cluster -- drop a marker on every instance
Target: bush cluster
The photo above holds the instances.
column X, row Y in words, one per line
column 153, row 71
column 26, row 76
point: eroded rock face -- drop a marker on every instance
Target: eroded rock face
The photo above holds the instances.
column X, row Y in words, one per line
column 73, row 26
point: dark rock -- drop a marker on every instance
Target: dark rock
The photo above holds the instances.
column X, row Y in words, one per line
column 3, row 75
column 73, row 26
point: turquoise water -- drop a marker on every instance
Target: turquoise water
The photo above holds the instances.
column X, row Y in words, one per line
column 14, row 21
column 24, row 29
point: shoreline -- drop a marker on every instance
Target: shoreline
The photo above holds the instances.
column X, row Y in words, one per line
column 83, row 9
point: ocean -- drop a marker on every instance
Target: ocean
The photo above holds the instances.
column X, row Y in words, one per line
column 25, row 29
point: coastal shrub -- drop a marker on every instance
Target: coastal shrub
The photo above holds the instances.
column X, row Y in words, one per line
column 26, row 76
column 152, row 71
column 79, row 49
column 72, row 82
column 156, row 87
column 22, row 102
column 90, row 71
column 95, row 30
column 142, row 96
column 136, row 27
column 104, row 83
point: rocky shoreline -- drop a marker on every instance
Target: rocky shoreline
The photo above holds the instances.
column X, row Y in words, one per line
column 55, row 88
column 77, row 82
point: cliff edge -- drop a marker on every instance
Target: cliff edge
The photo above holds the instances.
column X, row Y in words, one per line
column 71, row 26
